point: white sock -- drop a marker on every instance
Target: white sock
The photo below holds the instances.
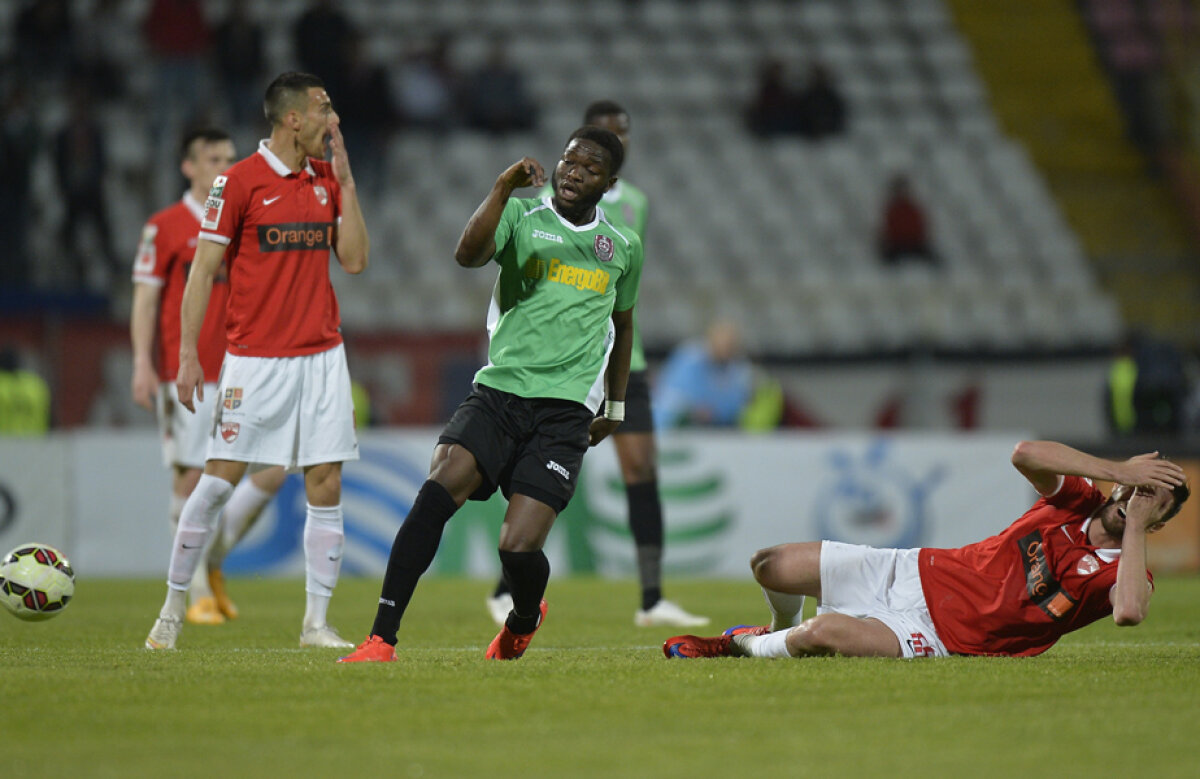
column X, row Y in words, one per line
column 787, row 610
column 175, row 604
column 770, row 645
column 196, row 524
column 243, row 508
column 323, row 540
column 174, row 510
column 200, row 588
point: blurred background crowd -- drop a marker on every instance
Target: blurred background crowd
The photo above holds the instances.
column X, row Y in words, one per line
column 924, row 196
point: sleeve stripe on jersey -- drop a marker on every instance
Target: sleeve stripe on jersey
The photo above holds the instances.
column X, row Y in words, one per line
column 142, row 278
column 604, row 219
column 214, row 237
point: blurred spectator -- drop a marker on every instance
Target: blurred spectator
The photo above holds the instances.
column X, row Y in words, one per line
column 775, row 109
column 79, row 161
column 427, row 84
column 495, row 97
column 364, row 104
column 821, row 106
column 99, row 44
column 704, row 382
column 1147, row 387
column 24, row 398
column 1120, row 390
column 179, row 40
column 19, row 146
column 238, row 50
column 320, row 37
column 44, row 41
column 904, row 232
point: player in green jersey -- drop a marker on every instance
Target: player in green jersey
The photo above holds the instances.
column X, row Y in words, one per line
column 560, row 325
column 627, row 206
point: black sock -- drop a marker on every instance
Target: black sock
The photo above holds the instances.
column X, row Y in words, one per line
column 502, row 587
column 412, row 552
column 527, row 574
column 646, row 525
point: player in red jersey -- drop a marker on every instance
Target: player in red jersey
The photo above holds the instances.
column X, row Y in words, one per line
column 284, row 394
column 159, row 275
column 1073, row 558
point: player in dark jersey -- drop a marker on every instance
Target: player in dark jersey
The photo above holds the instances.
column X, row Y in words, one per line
column 1073, row 558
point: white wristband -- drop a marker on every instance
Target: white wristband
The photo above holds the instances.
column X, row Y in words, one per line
column 614, row 410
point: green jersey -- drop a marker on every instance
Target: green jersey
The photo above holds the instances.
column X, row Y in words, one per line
column 550, row 319
column 625, row 206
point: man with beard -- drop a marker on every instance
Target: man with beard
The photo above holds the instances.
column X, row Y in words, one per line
column 1071, row 559
column 284, row 394
column 561, row 333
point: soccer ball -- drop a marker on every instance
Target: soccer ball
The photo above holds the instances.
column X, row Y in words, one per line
column 36, row 582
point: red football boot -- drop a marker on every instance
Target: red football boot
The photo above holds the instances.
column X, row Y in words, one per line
column 373, row 650
column 507, row 645
column 688, row 647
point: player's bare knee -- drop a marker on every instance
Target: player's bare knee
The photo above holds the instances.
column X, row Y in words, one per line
column 765, row 565
column 815, row 636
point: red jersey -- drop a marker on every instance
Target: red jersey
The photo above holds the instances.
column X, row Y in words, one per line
column 164, row 258
column 1018, row 592
column 279, row 227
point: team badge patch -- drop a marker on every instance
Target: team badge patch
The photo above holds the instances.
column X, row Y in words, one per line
column 603, row 246
column 214, row 205
column 233, row 398
column 147, row 255
column 229, row 431
column 1088, row 565
column 322, row 194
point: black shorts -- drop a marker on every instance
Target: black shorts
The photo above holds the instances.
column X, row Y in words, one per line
column 524, row 446
column 638, row 418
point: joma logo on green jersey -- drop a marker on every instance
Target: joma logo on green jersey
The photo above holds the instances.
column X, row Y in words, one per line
column 562, row 273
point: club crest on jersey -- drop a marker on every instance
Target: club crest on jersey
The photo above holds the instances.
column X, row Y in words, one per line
column 233, row 398
column 603, row 246
column 322, row 194
column 1087, row 566
column 229, row 431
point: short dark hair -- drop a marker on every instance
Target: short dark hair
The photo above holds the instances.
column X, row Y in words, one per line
column 605, row 140
column 285, row 91
column 206, row 134
column 1179, row 494
column 602, row 108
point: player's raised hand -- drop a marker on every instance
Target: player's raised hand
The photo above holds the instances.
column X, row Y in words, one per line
column 190, row 381
column 527, row 172
column 337, row 154
column 1150, row 470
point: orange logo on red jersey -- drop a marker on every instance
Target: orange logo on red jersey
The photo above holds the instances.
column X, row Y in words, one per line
column 295, row 236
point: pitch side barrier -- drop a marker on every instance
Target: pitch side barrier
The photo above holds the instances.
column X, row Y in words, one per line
column 101, row 496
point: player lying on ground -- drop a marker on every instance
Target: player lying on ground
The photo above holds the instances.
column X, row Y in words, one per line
column 1072, row 558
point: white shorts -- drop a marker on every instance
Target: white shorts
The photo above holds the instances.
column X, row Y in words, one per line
column 289, row 411
column 884, row 584
column 184, row 434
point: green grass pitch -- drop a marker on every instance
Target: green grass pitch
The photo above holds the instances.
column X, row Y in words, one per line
column 593, row 697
